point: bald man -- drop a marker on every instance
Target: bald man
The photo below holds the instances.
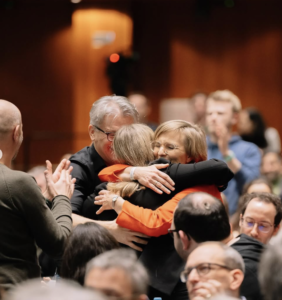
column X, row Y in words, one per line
column 213, row 268
column 25, row 218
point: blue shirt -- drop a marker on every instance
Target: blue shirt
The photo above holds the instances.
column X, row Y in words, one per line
column 249, row 156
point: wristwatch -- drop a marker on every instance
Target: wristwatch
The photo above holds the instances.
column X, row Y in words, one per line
column 230, row 156
column 114, row 201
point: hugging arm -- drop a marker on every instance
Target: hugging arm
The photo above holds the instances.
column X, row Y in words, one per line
column 212, row 171
column 150, row 222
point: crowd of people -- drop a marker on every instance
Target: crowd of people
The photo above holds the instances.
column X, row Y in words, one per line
column 183, row 210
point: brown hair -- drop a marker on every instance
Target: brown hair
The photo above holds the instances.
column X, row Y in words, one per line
column 267, row 198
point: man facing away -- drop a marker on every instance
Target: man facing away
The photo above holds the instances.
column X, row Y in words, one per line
column 199, row 218
column 25, row 217
column 243, row 158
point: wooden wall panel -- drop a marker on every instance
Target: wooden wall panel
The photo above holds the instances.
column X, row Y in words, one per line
column 90, row 81
column 237, row 48
column 35, row 74
column 50, row 71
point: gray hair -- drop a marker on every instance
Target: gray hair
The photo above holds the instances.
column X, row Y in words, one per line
column 270, row 272
column 126, row 260
column 61, row 290
column 231, row 257
column 112, row 105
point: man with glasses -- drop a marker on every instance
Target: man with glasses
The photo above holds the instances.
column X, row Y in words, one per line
column 200, row 218
column 213, row 268
column 107, row 115
column 261, row 216
column 118, row 275
column 259, row 221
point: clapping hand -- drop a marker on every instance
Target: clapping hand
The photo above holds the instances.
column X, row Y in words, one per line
column 59, row 183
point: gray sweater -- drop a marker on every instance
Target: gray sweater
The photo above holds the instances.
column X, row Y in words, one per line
column 25, row 220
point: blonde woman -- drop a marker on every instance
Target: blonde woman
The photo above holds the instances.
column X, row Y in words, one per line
column 149, row 212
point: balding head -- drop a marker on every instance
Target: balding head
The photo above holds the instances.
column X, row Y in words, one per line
column 217, row 264
column 11, row 133
column 10, row 117
column 202, row 217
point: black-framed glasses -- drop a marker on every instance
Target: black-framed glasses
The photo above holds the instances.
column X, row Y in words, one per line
column 202, row 269
column 110, row 135
column 262, row 226
column 171, row 231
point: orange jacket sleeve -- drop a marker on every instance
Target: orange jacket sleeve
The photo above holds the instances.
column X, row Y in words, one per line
column 157, row 222
column 109, row 174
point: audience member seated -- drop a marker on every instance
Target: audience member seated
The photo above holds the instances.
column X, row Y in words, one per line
column 84, row 243
column 107, row 115
column 259, row 221
column 151, row 213
column 261, row 216
column 213, row 268
column 25, row 217
column 252, row 128
column 63, row 290
column 243, row 158
column 260, row 185
column 270, row 272
column 271, row 168
column 38, row 174
column 144, row 108
column 199, row 218
column 117, row 274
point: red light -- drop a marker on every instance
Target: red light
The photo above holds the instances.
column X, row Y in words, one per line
column 114, row 58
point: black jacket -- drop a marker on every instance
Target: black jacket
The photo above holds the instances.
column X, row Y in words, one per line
column 87, row 164
column 159, row 256
column 251, row 250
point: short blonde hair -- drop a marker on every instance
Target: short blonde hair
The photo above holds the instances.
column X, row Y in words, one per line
column 132, row 146
column 194, row 137
column 227, row 96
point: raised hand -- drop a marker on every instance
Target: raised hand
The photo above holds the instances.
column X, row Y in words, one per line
column 63, row 165
column 64, row 184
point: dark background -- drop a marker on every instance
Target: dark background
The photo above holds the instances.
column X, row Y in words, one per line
column 183, row 46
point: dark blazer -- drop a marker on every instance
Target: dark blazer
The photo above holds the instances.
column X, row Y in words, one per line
column 87, row 164
column 159, row 256
column 250, row 249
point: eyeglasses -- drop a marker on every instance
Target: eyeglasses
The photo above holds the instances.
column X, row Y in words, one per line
column 155, row 146
column 171, row 231
column 110, row 135
column 262, row 226
column 202, row 269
